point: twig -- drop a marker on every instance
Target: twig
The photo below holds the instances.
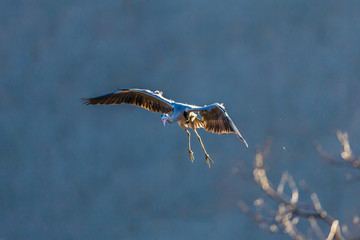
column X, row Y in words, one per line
column 286, row 217
column 347, row 156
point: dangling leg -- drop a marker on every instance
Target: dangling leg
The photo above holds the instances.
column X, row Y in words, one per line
column 202, row 145
column 191, row 154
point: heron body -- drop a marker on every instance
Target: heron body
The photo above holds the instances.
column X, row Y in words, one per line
column 214, row 117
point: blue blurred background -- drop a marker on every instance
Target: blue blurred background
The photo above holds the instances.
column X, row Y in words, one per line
column 285, row 69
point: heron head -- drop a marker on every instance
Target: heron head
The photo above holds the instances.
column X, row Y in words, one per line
column 164, row 118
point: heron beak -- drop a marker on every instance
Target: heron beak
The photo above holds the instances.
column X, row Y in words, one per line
column 164, row 121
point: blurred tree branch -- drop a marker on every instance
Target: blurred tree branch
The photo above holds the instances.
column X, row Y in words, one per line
column 348, row 160
column 285, row 212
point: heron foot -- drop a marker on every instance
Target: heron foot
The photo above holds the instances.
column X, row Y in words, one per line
column 208, row 159
column 191, row 154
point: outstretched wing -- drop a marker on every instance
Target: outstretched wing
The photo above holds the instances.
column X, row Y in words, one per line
column 152, row 101
column 217, row 120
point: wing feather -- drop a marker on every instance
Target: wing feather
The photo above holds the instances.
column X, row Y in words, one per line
column 152, row 101
column 198, row 123
column 216, row 120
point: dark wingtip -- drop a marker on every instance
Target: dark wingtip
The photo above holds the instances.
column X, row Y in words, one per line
column 85, row 101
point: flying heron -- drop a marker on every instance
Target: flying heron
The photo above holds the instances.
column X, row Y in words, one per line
column 214, row 117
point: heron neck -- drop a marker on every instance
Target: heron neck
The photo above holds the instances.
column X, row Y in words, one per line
column 173, row 119
column 169, row 120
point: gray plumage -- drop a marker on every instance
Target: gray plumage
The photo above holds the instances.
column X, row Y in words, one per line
column 214, row 117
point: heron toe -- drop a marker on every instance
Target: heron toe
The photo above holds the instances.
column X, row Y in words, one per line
column 207, row 159
column 191, row 154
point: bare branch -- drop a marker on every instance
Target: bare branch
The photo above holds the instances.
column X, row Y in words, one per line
column 262, row 180
column 347, row 156
column 289, row 210
column 315, row 226
column 258, row 218
column 335, row 231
